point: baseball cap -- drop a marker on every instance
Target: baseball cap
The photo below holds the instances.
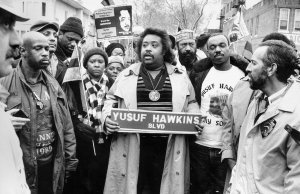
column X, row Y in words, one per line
column 9, row 6
column 41, row 24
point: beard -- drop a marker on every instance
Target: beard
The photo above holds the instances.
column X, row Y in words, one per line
column 187, row 58
column 67, row 51
column 259, row 82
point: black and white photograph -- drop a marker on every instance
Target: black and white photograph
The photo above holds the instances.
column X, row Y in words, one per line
column 149, row 97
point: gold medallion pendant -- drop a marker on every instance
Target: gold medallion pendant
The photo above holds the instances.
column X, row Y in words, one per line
column 154, row 95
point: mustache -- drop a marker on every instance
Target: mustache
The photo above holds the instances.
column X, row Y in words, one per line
column 148, row 54
column 218, row 54
column 13, row 53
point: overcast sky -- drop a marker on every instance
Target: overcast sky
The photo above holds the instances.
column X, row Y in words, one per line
column 96, row 4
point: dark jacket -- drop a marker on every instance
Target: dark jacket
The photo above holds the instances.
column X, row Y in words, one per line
column 61, row 65
column 202, row 67
column 65, row 153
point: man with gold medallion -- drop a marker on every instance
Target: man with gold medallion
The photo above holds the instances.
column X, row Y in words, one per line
column 157, row 163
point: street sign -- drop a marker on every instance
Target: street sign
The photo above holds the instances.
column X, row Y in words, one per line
column 141, row 121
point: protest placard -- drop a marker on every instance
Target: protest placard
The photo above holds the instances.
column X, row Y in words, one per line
column 114, row 22
column 140, row 121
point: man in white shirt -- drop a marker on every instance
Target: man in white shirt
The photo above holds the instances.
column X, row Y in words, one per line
column 12, row 174
column 212, row 87
column 268, row 157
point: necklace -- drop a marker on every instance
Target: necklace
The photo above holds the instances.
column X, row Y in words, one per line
column 39, row 103
column 154, row 95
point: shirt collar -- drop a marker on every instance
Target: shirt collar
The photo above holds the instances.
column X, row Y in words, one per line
column 41, row 78
column 276, row 95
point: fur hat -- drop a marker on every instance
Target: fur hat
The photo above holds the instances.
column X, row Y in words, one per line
column 109, row 49
column 72, row 24
column 94, row 51
column 116, row 59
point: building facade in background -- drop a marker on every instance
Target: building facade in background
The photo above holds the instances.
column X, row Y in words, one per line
column 263, row 18
column 52, row 10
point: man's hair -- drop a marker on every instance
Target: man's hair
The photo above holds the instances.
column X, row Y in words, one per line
column 202, row 40
column 283, row 55
column 123, row 9
column 277, row 36
column 218, row 34
column 165, row 40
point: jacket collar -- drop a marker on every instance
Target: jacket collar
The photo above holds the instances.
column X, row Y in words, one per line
column 41, row 77
column 47, row 79
column 134, row 69
column 235, row 60
column 289, row 99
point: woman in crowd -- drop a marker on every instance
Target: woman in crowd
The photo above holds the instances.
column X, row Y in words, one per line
column 114, row 67
column 115, row 49
column 93, row 157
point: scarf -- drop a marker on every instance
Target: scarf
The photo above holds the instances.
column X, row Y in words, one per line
column 95, row 94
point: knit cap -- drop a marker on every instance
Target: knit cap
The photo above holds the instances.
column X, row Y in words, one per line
column 72, row 24
column 109, row 49
column 116, row 59
column 94, row 51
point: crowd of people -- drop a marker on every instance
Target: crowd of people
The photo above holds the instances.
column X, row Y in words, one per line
column 57, row 134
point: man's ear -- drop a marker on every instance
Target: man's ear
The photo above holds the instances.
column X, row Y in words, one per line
column 272, row 69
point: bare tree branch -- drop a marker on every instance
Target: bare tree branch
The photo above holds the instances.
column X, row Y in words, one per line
column 200, row 15
column 184, row 21
column 174, row 12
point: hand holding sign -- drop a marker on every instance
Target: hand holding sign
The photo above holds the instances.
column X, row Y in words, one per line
column 111, row 126
column 199, row 127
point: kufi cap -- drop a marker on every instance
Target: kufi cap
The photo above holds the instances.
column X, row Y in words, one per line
column 184, row 34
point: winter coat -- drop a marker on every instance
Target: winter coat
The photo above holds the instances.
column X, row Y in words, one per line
column 202, row 67
column 122, row 173
column 65, row 153
column 268, row 157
